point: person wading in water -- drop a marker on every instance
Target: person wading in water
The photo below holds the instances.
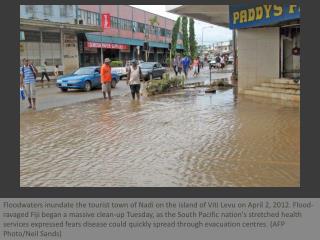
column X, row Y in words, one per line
column 133, row 79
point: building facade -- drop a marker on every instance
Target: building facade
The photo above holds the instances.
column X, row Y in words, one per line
column 48, row 33
column 124, row 38
column 266, row 41
column 224, row 47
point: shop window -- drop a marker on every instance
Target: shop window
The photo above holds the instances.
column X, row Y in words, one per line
column 32, row 36
column 140, row 27
column 51, row 37
column 88, row 18
column 47, row 10
column 134, row 26
column 114, row 22
column 162, row 32
column 30, row 9
column 66, row 10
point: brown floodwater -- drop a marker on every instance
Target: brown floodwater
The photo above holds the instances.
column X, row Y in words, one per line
column 175, row 140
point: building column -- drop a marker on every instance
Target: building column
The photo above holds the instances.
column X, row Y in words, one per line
column 41, row 48
column 61, row 50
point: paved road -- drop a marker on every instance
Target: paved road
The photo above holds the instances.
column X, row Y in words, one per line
column 51, row 96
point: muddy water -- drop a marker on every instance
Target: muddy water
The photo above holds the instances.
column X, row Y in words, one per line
column 182, row 139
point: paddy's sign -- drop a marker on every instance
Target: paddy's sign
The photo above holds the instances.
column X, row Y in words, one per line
column 245, row 15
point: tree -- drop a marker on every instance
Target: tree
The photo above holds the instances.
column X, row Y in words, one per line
column 153, row 21
column 174, row 39
column 185, row 35
column 192, row 40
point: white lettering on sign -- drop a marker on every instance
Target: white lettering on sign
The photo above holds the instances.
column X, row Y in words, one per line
column 107, row 45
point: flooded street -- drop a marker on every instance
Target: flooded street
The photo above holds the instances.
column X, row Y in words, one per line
column 175, row 140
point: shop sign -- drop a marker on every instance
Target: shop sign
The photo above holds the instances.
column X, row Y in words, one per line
column 70, row 41
column 250, row 15
column 90, row 50
column 106, row 20
column 107, row 45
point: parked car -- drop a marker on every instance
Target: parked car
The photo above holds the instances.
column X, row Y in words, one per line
column 152, row 70
column 230, row 59
column 213, row 64
column 121, row 71
column 85, row 78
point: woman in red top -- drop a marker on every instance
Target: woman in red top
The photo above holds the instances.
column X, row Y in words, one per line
column 196, row 63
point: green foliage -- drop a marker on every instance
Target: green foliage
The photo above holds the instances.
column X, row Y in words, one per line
column 154, row 21
column 174, row 39
column 185, row 35
column 160, row 86
column 192, row 40
column 116, row 64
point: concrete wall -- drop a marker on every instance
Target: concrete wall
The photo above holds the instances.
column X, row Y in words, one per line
column 38, row 12
column 258, row 56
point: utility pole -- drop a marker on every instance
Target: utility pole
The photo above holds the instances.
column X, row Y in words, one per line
column 202, row 37
column 101, row 52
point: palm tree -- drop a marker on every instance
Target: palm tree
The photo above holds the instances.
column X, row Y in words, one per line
column 153, row 22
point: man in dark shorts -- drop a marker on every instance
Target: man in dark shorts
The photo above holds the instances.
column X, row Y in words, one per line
column 133, row 79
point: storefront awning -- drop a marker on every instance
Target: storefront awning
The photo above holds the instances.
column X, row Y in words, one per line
column 108, row 39
column 214, row 14
column 128, row 41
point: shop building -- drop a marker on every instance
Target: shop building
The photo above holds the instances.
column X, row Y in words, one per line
column 48, row 33
column 124, row 38
column 266, row 42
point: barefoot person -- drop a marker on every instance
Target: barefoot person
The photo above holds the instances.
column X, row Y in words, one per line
column 133, row 79
column 106, row 78
column 28, row 82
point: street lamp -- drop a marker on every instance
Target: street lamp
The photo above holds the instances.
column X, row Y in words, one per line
column 202, row 36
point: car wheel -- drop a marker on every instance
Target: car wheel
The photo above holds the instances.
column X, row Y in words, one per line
column 113, row 83
column 87, row 86
column 64, row 89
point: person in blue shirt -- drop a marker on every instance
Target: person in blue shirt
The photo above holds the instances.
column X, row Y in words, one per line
column 186, row 65
column 28, row 81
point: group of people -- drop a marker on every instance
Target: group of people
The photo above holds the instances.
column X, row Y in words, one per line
column 28, row 76
column 134, row 78
column 185, row 64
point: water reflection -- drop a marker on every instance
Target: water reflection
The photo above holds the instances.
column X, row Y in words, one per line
column 178, row 139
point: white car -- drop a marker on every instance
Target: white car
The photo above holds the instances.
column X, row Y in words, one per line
column 121, row 71
column 230, row 59
column 213, row 64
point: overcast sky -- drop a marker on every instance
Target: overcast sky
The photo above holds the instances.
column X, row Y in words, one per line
column 210, row 35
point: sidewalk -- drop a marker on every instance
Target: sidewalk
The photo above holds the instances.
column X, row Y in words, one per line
column 204, row 75
column 52, row 82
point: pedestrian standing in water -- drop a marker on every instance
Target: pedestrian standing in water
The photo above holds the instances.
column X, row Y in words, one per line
column 195, row 67
column 133, row 79
column 186, row 65
column 28, row 75
column 106, row 78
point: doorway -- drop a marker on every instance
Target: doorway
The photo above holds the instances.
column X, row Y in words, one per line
column 290, row 52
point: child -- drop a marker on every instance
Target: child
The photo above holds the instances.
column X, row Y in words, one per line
column 56, row 71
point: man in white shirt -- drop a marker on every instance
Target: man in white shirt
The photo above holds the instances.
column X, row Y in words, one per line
column 133, row 79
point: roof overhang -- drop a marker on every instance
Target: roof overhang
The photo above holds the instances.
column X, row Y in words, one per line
column 214, row 14
column 47, row 25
